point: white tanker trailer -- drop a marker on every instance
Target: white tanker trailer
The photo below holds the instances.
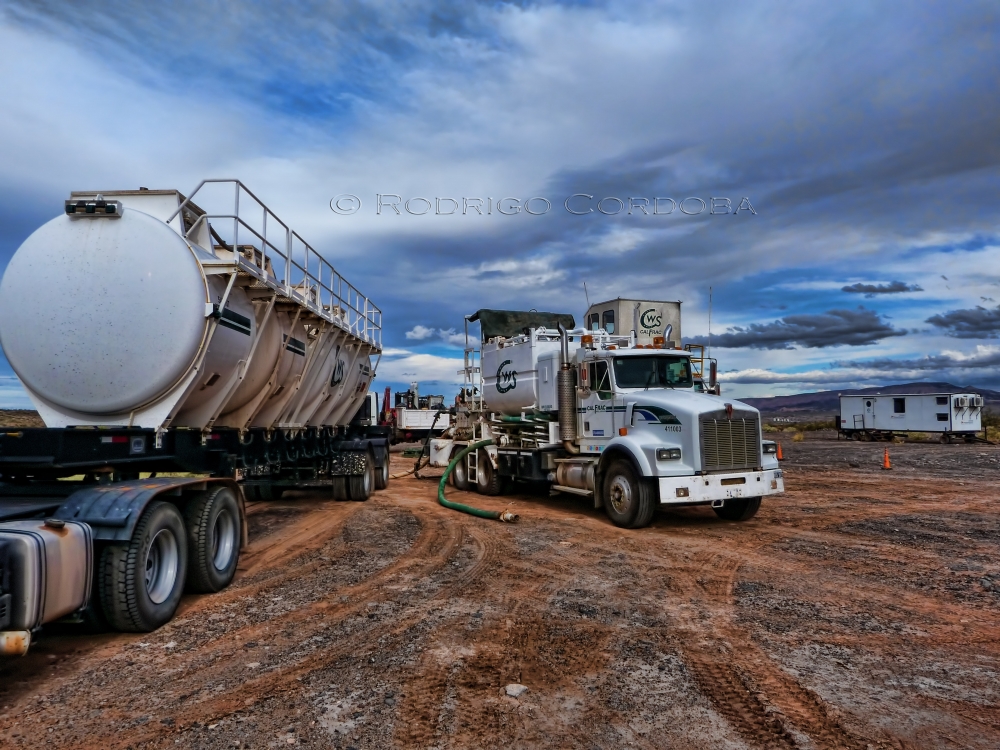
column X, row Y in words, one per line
column 604, row 416
column 155, row 336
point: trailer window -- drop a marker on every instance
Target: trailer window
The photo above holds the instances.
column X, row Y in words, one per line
column 600, row 380
column 942, row 401
column 652, row 372
column 609, row 321
column 942, row 417
column 899, row 406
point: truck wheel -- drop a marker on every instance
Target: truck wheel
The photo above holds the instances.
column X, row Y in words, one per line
column 141, row 582
column 487, row 479
column 382, row 475
column 460, row 475
column 213, row 525
column 630, row 502
column 360, row 486
column 739, row 510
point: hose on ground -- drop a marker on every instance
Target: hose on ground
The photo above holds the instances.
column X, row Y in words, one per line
column 496, row 515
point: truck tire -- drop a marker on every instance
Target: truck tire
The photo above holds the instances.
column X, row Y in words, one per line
column 213, row 525
column 487, row 478
column 361, row 486
column 141, row 582
column 460, row 475
column 629, row 501
column 742, row 509
column 382, row 475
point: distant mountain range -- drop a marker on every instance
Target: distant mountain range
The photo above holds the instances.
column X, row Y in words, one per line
column 827, row 402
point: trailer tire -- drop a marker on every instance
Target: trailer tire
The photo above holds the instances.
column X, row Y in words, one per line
column 629, row 501
column 739, row 510
column 338, row 485
column 488, row 480
column 213, row 524
column 460, row 474
column 945, row 438
column 360, row 486
column 141, row 582
column 382, row 474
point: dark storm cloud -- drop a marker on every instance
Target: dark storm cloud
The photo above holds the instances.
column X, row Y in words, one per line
column 858, row 327
column 986, row 358
column 870, row 290
column 972, row 323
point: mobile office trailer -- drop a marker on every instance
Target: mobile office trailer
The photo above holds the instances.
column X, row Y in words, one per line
column 876, row 416
column 649, row 319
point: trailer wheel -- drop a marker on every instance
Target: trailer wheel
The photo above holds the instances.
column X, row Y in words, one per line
column 739, row 510
column 360, row 486
column 487, row 479
column 213, row 524
column 460, row 474
column 945, row 438
column 629, row 501
column 382, row 475
column 141, row 582
column 339, row 487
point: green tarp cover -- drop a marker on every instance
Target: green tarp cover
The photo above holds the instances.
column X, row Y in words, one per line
column 509, row 323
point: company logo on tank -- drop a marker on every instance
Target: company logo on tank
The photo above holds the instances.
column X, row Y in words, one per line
column 508, row 378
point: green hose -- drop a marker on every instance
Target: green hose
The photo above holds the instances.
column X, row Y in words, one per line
column 496, row 515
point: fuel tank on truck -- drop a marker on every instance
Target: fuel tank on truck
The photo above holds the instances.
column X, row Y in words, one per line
column 103, row 319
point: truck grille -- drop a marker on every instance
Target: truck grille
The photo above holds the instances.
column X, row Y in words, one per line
column 730, row 444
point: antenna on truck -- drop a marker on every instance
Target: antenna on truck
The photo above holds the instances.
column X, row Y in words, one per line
column 585, row 294
column 710, row 322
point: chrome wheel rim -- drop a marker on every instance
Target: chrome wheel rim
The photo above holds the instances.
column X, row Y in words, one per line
column 620, row 494
column 162, row 559
column 223, row 540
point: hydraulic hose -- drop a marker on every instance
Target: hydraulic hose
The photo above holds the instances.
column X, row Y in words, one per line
column 496, row 515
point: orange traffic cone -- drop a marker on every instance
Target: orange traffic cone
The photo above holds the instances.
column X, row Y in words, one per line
column 885, row 460
column 780, row 456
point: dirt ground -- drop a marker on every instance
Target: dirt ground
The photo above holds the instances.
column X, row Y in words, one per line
column 859, row 610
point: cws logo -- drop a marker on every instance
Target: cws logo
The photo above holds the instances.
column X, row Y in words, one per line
column 506, row 381
column 651, row 322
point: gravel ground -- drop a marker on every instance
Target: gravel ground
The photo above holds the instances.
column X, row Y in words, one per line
column 858, row 610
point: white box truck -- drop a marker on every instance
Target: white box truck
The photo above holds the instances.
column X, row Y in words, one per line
column 880, row 417
column 596, row 414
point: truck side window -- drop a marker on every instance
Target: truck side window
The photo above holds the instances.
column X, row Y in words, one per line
column 609, row 321
column 595, row 322
column 899, row 406
column 600, row 380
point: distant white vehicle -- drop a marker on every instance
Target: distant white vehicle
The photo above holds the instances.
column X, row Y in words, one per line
column 877, row 416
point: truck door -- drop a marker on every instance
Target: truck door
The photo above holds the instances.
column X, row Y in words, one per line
column 597, row 416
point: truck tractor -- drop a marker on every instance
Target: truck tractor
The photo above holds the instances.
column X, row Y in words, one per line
column 182, row 360
column 604, row 416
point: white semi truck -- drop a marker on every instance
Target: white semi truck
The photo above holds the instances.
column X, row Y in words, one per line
column 157, row 338
column 587, row 412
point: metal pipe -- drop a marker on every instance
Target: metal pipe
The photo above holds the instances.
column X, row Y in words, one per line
column 667, row 332
column 566, row 390
column 496, row 515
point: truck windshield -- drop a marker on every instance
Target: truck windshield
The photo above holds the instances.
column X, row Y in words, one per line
column 652, row 372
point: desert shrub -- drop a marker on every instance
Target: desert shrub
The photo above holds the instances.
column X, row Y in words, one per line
column 798, row 437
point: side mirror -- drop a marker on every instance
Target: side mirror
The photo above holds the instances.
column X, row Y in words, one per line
column 712, row 374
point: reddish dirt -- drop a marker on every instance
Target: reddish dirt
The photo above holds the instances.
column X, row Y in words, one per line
column 858, row 610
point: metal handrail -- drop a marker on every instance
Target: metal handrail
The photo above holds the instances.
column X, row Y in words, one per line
column 322, row 292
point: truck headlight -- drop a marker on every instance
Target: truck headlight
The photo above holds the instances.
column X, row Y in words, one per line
column 770, row 448
column 668, row 454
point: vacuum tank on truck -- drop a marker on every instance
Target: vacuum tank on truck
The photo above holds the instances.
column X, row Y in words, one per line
column 157, row 337
column 597, row 414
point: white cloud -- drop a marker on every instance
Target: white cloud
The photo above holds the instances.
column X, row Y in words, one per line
column 419, row 333
column 421, row 368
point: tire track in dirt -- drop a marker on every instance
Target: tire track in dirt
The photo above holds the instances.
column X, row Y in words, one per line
column 766, row 705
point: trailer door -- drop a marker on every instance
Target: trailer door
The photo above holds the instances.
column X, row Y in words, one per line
column 869, row 413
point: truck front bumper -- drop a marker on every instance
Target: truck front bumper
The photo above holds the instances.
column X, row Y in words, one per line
column 713, row 488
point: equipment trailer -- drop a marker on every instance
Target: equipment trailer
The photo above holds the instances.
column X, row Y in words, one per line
column 183, row 364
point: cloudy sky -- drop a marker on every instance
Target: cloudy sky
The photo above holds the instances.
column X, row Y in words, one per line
column 863, row 135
